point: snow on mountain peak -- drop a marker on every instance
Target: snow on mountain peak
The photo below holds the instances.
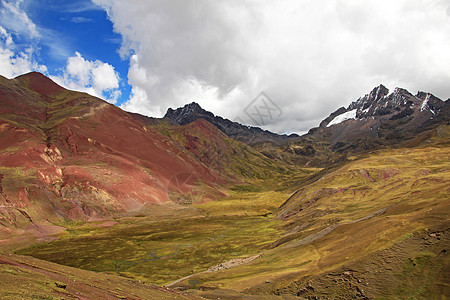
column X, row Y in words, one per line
column 343, row 117
column 380, row 103
column 424, row 105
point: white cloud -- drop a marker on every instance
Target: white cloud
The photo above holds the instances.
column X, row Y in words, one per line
column 17, row 58
column 11, row 64
column 16, row 20
column 79, row 69
column 14, row 63
column 6, row 38
column 138, row 102
column 94, row 77
column 310, row 56
column 104, row 77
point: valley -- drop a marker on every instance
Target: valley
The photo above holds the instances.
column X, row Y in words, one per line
column 163, row 248
column 318, row 242
column 100, row 203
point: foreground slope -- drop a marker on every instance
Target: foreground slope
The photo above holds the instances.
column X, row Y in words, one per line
column 28, row 278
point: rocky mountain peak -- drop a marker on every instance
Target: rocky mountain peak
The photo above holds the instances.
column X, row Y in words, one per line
column 192, row 107
column 379, row 92
column 188, row 113
column 376, row 95
column 382, row 118
column 430, row 102
column 379, row 102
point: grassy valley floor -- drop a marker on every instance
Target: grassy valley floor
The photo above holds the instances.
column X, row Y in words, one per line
column 375, row 227
column 170, row 244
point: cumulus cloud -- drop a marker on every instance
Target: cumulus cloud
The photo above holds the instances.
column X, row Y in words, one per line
column 310, row 57
column 94, row 77
column 17, row 58
column 13, row 62
column 19, row 45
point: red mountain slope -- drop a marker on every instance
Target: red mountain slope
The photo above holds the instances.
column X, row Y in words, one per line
column 71, row 155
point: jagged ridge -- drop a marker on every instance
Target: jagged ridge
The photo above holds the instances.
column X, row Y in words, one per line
column 382, row 118
column 398, row 104
column 247, row 134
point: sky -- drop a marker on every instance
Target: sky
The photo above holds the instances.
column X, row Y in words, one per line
column 282, row 65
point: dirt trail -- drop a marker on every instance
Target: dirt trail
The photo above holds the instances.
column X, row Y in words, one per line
column 225, row 265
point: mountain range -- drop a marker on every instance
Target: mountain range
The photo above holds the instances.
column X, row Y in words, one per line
column 374, row 115
column 378, row 119
column 356, row 208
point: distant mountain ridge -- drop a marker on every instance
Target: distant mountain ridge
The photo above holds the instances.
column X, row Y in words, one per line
column 377, row 119
column 380, row 117
column 379, row 103
column 248, row 134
